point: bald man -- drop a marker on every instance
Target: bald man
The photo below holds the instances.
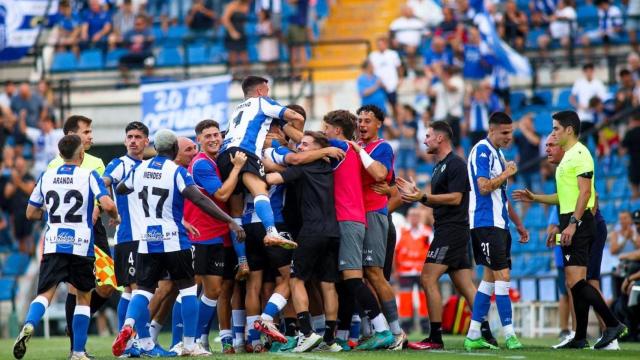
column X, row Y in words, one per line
column 187, row 150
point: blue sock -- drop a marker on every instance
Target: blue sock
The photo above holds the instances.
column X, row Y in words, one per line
column 263, row 210
column 81, row 317
column 206, row 309
column 176, row 322
column 503, row 302
column 139, row 311
column 189, row 314
column 482, row 302
column 239, row 247
column 271, row 309
column 123, row 305
column 36, row 310
column 354, row 332
column 254, row 335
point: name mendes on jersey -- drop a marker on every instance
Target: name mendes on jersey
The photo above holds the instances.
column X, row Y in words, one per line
column 152, row 175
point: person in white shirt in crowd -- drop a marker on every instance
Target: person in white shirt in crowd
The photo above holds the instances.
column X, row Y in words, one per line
column 610, row 21
column 563, row 23
column 407, row 33
column 624, row 237
column 428, row 11
column 583, row 90
column 449, row 95
column 632, row 23
column 45, row 140
column 387, row 67
column 9, row 91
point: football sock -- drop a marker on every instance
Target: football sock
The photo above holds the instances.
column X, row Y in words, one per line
column 481, row 305
column 69, row 308
column 123, row 304
column 390, row 309
column 36, row 310
column 206, row 309
column 239, row 246
column 503, row 302
column 154, row 329
column 189, row 315
column 304, row 320
column 254, row 335
column 329, row 336
column 176, row 322
column 138, row 312
column 346, row 308
column 581, row 307
column 594, row 298
column 290, row 326
column 81, row 316
column 436, row 332
column 276, row 303
column 239, row 319
column 262, row 205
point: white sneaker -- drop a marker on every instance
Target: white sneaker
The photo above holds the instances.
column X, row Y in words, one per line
column 197, row 350
column 307, row 343
column 178, row 348
column 564, row 341
column 398, row 342
column 205, row 345
column 612, row 345
column 82, row 356
column 324, row 347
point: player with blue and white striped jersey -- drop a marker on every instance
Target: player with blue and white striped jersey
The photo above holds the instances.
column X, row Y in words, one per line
column 126, row 250
column 68, row 194
column 160, row 187
column 489, row 214
column 247, row 132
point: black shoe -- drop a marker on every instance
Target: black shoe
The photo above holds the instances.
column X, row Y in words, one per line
column 575, row 344
column 610, row 334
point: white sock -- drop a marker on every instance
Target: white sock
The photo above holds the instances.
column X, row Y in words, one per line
column 154, row 330
column 189, row 343
column 379, row 323
column 474, row 330
column 146, row 344
column 130, row 322
column 508, row 331
column 365, row 324
column 395, row 327
column 204, row 339
column 342, row 335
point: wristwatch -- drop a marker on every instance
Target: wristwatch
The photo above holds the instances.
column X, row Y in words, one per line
column 573, row 220
column 423, row 199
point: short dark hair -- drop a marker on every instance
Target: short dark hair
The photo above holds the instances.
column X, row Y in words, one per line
column 318, row 137
column 68, row 145
column 72, row 124
column 251, row 81
column 410, row 109
column 377, row 112
column 442, row 127
column 299, row 109
column 594, row 101
column 343, row 119
column 588, row 66
column 624, row 72
column 137, row 125
column 568, row 118
column 205, row 124
column 500, row 118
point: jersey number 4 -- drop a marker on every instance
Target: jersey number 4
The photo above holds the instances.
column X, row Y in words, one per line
column 143, row 195
column 70, row 216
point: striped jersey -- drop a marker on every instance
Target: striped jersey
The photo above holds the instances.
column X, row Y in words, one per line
column 250, row 123
column 156, row 215
column 489, row 210
column 117, row 171
column 68, row 194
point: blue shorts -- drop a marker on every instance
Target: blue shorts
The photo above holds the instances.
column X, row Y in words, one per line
column 595, row 254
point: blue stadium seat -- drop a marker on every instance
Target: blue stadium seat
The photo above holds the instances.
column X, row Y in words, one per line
column 542, row 122
column 113, row 58
column 516, row 100
column 619, row 188
column 197, row 54
column 253, row 52
column 563, row 99
column 169, row 56
column 91, row 60
column 175, row 34
column 63, row 62
column 532, row 38
column 7, row 289
column 587, row 16
column 217, row 54
column 545, row 95
column 15, row 265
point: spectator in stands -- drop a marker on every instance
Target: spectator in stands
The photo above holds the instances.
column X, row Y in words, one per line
column 7, row 94
column 45, row 144
column 624, row 237
column 268, row 46
column 539, row 35
column 450, row 29
column 28, row 105
column 96, row 25
column 201, row 17
column 407, row 33
column 610, row 21
column 633, row 63
column 387, row 67
column 527, row 141
column 17, row 192
column 371, row 88
column 298, row 34
column 477, row 60
column 68, row 28
column 7, row 124
column 421, row 133
column 123, row 21
column 546, row 7
column 626, row 96
column 428, row 11
column 404, row 131
column 464, row 11
column 233, row 19
column 449, row 100
column 501, row 86
column 582, row 91
column 482, row 103
column 632, row 23
column 514, row 26
column 438, row 55
column 46, row 92
column 139, row 42
column 563, row 24
column 631, row 145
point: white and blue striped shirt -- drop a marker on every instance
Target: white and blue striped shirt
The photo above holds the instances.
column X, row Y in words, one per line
column 117, row 171
column 489, row 210
column 157, row 212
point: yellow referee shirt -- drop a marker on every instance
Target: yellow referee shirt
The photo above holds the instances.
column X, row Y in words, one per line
column 576, row 161
column 90, row 162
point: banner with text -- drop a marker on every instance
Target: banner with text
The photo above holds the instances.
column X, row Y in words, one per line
column 20, row 22
column 179, row 106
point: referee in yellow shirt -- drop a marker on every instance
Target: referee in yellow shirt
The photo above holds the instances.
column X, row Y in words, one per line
column 81, row 126
column 576, row 198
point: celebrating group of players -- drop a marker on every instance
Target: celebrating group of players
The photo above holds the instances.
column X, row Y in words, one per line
column 274, row 224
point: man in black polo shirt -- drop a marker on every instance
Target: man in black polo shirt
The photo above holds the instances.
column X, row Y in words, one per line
column 316, row 256
column 448, row 252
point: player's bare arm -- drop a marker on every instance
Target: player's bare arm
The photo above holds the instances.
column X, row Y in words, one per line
column 226, row 190
column 487, row 186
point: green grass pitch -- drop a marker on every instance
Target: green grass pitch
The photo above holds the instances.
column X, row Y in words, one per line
column 57, row 349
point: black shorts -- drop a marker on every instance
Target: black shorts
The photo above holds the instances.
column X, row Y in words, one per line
column 316, row 257
column 78, row 271
column 491, row 247
column 124, row 260
column 595, row 253
column 450, row 247
column 150, row 268
column 214, row 259
column 253, row 165
column 100, row 237
column 261, row 257
column 577, row 254
column 391, row 248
